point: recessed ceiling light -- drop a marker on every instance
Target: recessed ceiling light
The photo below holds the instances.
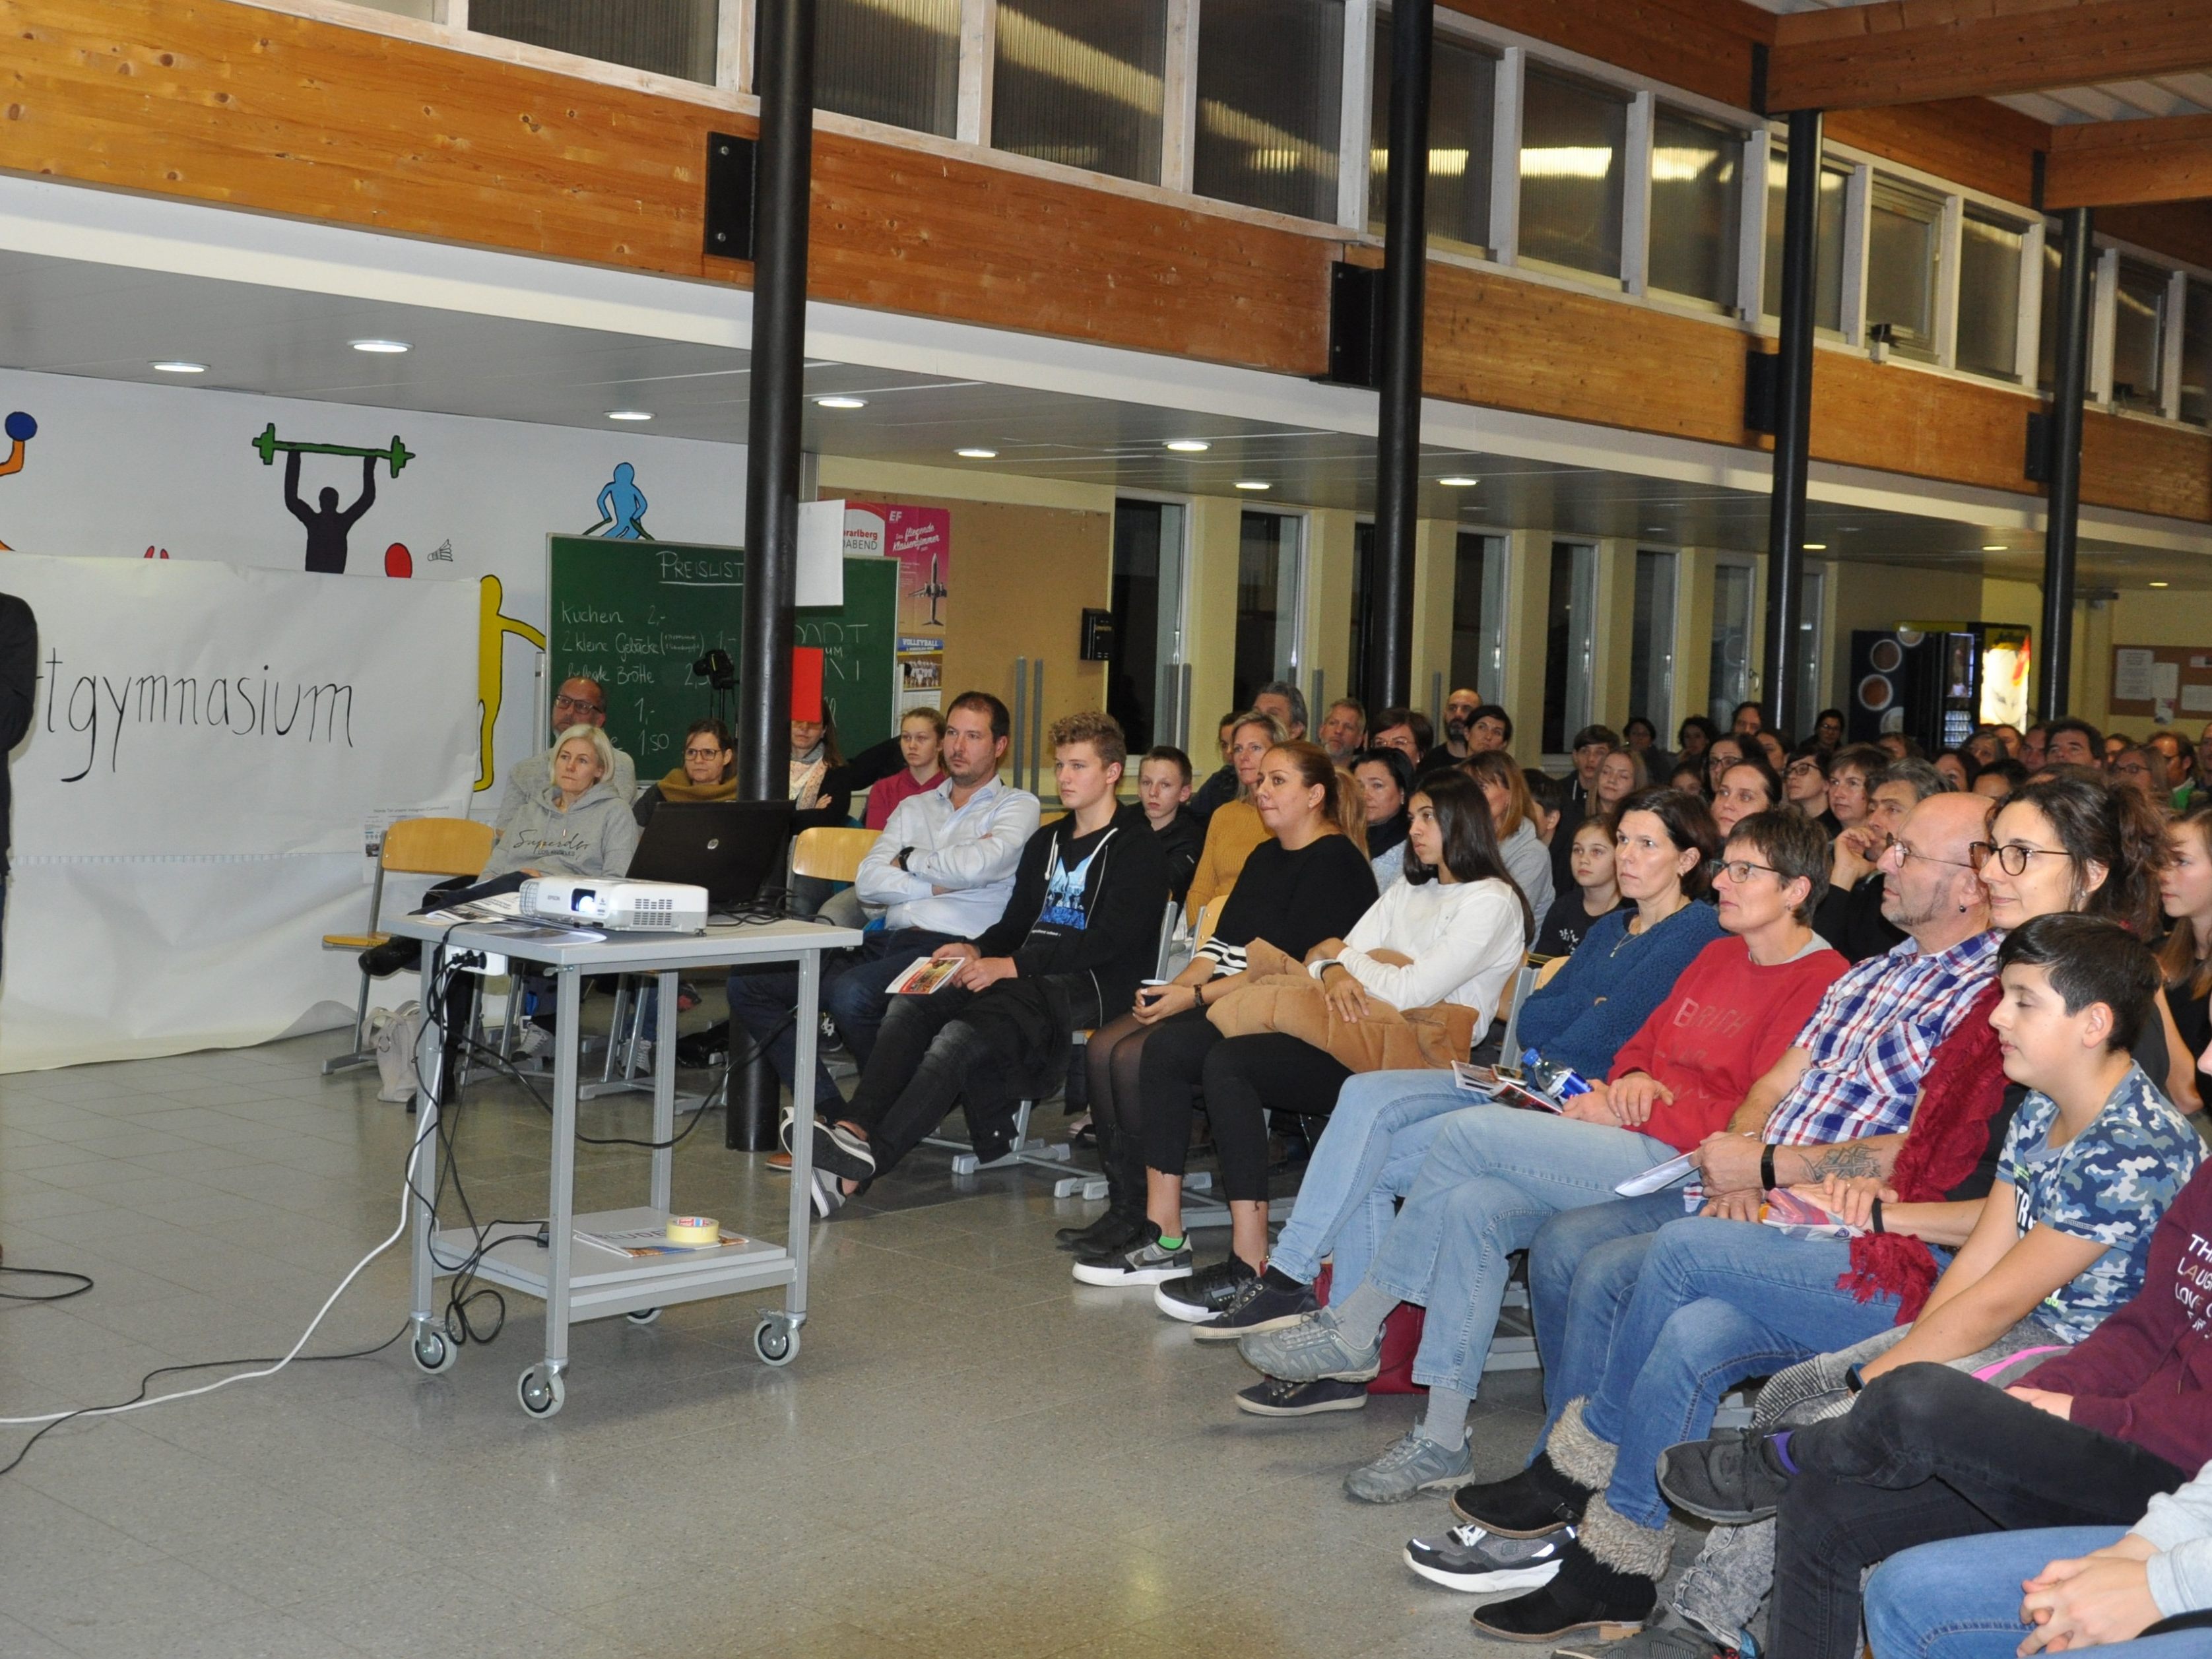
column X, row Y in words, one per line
column 385, row 348
column 2161, row 584
column 1456, row 482
column 178, row 366
column 1816, row 547
column 1188, row 445
column 630, row 414
column 1253, row 483
column 977, row 454
column 1994, row 547
column 841, row 403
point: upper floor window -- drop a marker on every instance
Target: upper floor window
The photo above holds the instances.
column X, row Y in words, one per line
column 1827, row 241
column 2197, row 354
column 667, row 37
column 1463, row 113
column 1270, row 104
column 1082, row 82
column 1990, row 250
column 893, row 61
column 2139, row 304
column 1904, row 231
column 1696, row 167
column 1574, row 140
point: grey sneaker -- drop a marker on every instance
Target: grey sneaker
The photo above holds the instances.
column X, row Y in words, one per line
column 1675, row 1640
column 1468, row 1558
column 1144, row 1263
column 1310, row 1351
column 1411, row 1466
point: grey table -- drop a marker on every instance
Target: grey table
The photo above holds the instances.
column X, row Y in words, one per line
column 579, row 1281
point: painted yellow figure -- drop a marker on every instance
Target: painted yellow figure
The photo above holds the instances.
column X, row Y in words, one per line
column 492, row 629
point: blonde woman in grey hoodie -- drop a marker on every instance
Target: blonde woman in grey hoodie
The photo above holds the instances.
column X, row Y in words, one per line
column 577, row 823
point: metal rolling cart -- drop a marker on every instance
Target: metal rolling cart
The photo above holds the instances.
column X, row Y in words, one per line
column 579, row 1281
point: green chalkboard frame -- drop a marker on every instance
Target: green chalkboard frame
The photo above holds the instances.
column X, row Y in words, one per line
column 634, row 614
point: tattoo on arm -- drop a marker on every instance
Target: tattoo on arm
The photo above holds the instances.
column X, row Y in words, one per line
column 1844, row 1161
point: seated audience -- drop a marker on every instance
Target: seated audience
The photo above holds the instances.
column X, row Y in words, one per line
column 1079, row 930
column 1805, row 784
column 1999, row 779
column 2141, row 769
column 2032, row 751
column 1746, row 786
column 941, row 871
column 1235, row 828
column 1828, row 729
column 1283, row 701
column 2072, row 743
column 1835, row 1104
column 1639, row 734
column 1688, row 775
column 710, row 771
column 2093, row 1159
column 1548, row 795
column 1852, row 917
column 1460, row 705
column 2185, row 894
column 1850, row 779
column 1513, row 817
column 1385, row 778
column 1405, row 729
column 1494, row 1173
column 1591, row 746
column 1775, row 751
column 1750, row 718
column 1595, row 894
column 814, row 750
column 1450, row 936
column 1307, row 882
column 1723, row 752
column 1163, row 790
column 1619, row 775
column 1344, row 730
column 1694, row 738
column 1956, row 769
column 1220, row 788
column 579, row 702
column 920, row 736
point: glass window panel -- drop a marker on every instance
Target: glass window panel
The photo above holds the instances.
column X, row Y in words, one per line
column 1082, row 82
column 1827, row 242
column 669, row 37
column 1568, row 643
column 1477, row 650
column 1728, row 670
column 1267, row 569
column 1694, row 207
column 1573, row 137
column 1270, row 103
column 893, row 61
column 2197, row 354
column 2046, row 337
column 1143, row 679
column 2139, row 337
column 1462, row 103
column 1902, row 235
column 1988, row 295
column 1651, row 648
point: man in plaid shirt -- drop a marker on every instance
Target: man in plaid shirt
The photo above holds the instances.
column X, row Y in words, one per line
column 1837, row 1102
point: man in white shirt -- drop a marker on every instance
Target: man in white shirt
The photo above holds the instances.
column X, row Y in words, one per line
column 941, row 870
column 579, row 701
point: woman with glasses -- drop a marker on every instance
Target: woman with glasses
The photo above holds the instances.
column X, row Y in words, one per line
column 1722, row 753
column 710, row 771
column 1805, row 785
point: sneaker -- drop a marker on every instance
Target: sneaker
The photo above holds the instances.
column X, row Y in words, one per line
column 1256, row 1306
column 1206, row 1292
column 1661, row 1641
column 841, row 1152
column 1273, row 1397
column 1109, row 1232
column 532, row 1042
column 1311, row 1350
column 1538, row 1501
column 828, row 1196
column 1733, row 1479
column 1143, row 1263
column 1468, row 1558
column 1413, row 1464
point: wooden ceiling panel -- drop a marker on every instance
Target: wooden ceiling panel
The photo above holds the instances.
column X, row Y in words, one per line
column 2106, row 163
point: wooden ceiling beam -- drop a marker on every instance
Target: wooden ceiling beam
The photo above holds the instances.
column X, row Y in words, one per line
column 2119, row 163
column 1911, row 52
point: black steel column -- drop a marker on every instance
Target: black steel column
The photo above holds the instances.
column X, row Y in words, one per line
column 2054, row 651
column 784, row 35
column 1793, row 424
column 1398, row 431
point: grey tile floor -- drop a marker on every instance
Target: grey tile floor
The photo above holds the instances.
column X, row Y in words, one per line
column 971, row 1455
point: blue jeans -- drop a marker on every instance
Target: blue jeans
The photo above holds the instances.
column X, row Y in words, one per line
column 853, row 993
column 1582, row 1264
column 1960, row 1599
column 1367, row 1157
column 1494, row 1175
column 1716, row 1302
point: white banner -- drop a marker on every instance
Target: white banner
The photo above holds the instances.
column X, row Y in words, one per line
column 208, row 746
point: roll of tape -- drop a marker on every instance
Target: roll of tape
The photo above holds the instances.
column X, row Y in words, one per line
column 694, row 1229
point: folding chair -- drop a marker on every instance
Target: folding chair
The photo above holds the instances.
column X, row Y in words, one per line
column 412, row 846
column 1536, row 973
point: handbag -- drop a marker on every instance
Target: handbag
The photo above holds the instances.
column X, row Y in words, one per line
column 1276, row 993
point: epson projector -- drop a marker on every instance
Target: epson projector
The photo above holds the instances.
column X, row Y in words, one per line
column 644, row 907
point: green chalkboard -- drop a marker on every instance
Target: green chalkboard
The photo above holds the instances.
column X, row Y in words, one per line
column 635, row 615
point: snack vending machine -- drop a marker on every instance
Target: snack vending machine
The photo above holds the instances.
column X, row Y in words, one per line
column 1936, row 684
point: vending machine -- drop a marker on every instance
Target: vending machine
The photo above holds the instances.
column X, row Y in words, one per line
column 1935, row 683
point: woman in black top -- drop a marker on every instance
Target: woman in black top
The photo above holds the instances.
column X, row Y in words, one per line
column 1309, row 881
column 2186, row 894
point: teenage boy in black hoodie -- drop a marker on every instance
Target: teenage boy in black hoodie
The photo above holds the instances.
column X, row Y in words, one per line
column 1080, row 931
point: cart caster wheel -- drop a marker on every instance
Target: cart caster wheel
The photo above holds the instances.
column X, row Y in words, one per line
column 775, row 1342
column 541, row 1393
column 435, row 1352
column 643, row 1316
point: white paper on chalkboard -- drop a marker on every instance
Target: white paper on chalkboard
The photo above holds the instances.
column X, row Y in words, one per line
column 2165, row 681
column 820, row 553
column 2131, row 674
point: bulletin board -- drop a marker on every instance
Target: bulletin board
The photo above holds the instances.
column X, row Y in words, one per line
column 2162, row 683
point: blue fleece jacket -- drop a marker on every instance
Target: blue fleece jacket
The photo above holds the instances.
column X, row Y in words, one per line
column 1610, row 986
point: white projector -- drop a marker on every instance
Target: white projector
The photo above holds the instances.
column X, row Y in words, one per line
column 646, row 906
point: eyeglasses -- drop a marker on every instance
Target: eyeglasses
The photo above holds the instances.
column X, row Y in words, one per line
column 1804, row 769
column 580, row 704
column 1907, row 852
column 2012, row 858
column 1738, row 871
column 701, row 754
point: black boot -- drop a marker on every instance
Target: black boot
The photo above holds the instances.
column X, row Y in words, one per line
column 1538, row 1501
column 1607, row 1584
column 1123, row 1223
